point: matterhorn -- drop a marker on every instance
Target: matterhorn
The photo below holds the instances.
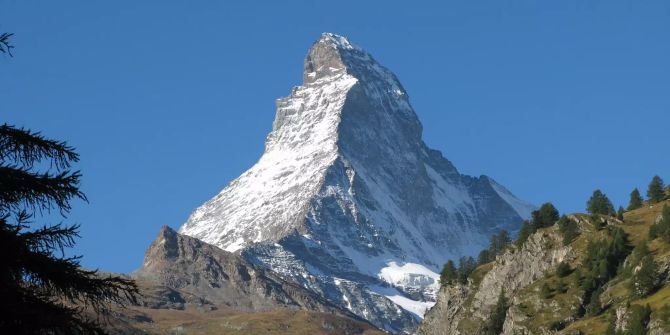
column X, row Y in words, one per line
column 348, row 201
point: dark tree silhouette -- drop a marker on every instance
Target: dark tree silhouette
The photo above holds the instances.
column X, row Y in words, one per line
column 448, row 274
column 43, row 291
column 655, row 192
column 494, row 325
column 599, row 204
column 546, row 216
column 635, row 200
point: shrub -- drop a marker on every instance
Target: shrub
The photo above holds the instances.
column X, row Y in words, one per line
column 545, row 291
column 638, row 320
column 563, row 270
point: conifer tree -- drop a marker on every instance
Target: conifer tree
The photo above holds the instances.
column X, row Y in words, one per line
column 599, row 204
column 594, row 307
column 448, row 274
column 563, row 269
column 524, row 233
column 43, row 291
column 655, row 192
column 484, row 257
column 494, row 326
column 568, row 229
column 546, row 216
column 466, row 265
column 638, row 320
column 545, row 291
column 635, row 200
column 644, row 281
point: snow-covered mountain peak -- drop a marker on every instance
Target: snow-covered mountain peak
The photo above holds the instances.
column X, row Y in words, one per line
column 327, row 57
column 348, row 200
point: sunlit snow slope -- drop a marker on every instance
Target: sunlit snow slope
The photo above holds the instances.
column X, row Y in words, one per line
column 348, row 200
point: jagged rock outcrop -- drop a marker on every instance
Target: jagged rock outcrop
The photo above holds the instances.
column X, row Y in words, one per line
column 182, row 269
column 512, row 271
column 516, row 269
column 348, row 200
column 449, row 306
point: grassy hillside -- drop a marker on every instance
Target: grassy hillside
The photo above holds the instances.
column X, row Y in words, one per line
column 617, row 292
column 560, row 309
column 139, row 320
column 593, row 294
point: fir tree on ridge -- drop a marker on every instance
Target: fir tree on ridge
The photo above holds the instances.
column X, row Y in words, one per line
column 655, row 192
column 599, row 203
column 635, row 200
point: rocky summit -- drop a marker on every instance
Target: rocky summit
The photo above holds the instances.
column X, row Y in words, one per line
column 348, row 202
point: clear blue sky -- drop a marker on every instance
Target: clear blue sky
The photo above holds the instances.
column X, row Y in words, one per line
column 167, row 101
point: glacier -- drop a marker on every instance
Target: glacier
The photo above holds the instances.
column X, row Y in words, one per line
column 348, row 201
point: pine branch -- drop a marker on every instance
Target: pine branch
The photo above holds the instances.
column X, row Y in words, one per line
column 66, row 279
column 21, row 187
column 5, row 47
column 49, row 239
column 27, row 148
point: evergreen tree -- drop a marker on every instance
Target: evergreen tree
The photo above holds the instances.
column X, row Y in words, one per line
column 644, row 281
column 494, row 326
column 602, row 261
column 635, row 200
column 545, row 291
column 448, row 274
column 568, row 229
column 546, row 216
column 524, row 233
column 611, row 324
column 484, row 257
column 466, row 265
column 42, row 290
column 619, row 213
column 563, row 269
column 594, row 307
column 498, row 243
column 504, row 240
column 655, row 192
column 638, row 320
column 599, row 204
column 562, row 287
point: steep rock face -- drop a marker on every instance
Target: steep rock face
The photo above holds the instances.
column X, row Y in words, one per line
column 183, row 269
column 444, row 316
column 512, row 271
column 347, row 199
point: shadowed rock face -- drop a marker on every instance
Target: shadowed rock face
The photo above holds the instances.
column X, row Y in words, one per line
column 184, row 267
column 348, row 200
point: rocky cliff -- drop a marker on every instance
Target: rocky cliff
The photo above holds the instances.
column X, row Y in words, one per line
column 187, row 266
column 190, row 287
